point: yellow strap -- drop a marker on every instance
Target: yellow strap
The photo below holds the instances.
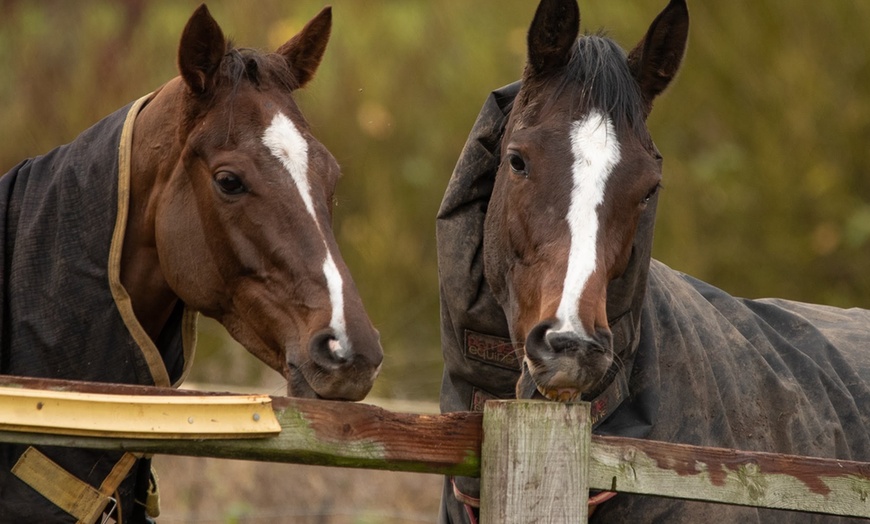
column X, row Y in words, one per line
column 119, row 293
column 65, row 490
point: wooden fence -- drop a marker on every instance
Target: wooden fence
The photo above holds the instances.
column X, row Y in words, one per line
column 524, row 451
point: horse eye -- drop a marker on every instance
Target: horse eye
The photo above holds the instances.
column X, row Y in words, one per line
column 651, row 193
column 518, row 165
column 229, row 184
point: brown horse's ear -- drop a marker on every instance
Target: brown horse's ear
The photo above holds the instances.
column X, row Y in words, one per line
column 551, row 36
column 304, row 51
column 201, row 50
column 654, row 62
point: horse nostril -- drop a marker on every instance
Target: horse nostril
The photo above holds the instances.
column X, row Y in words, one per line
column 327, row 350
column 536, row 341
column 564, row 341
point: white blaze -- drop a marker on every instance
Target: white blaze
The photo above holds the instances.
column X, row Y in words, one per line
column 287, row 144
column 596, row 153
column 336, row 297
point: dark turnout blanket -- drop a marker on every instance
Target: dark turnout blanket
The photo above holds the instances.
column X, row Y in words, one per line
column 63, row 312
column 703, row 367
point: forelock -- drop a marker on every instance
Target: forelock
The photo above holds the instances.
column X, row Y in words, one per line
column 597, row 77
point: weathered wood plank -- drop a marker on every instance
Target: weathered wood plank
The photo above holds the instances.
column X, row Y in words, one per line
column 312, row 432
column 359, row 435
column 837, row 487
column 534, row 466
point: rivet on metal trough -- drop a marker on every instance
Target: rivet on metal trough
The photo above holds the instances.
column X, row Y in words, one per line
column 256, row 417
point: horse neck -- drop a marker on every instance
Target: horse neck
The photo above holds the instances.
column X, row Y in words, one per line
column 155, row 154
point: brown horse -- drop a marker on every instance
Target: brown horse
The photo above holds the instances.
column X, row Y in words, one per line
column 548, row 288
column 578, row 157
column 217, row 200
column 231, row 211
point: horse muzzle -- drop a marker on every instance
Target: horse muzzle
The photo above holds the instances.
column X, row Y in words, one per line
column 335, row 369
column 562, row 365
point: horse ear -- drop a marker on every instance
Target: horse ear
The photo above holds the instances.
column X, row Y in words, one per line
column 304, row 51
column 552, row 35
column 654, row 62
column 201, row 50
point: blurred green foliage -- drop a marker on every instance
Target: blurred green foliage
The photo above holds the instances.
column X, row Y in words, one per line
column 765, row 135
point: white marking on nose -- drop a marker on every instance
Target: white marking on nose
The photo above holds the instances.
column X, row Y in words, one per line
column 336, row 296
column 287, row 144
column 596, row 152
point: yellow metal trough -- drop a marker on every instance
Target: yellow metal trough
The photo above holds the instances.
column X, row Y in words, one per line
column 137, row 416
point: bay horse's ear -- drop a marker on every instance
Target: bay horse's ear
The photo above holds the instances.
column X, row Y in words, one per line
column 551, row 36
column 201, row 50
column 654, row 62
column 304, row 51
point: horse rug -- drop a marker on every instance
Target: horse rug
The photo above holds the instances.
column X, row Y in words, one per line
column 65, row 315
column 694, row 365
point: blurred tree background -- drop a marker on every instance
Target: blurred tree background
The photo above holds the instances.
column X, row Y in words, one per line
column 765, row 135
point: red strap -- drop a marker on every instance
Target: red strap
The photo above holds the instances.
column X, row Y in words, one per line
column 469, row 502
column 599, row 498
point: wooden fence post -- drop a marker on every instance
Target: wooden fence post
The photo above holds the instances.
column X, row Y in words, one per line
column 534, row 462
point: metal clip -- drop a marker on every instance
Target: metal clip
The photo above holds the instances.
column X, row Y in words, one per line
column 107, row 513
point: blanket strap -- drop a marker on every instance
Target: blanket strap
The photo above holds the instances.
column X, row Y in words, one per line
column 65, row 490
column 152, row 496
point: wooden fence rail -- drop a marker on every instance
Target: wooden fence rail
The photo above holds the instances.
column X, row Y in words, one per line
column 526, row 452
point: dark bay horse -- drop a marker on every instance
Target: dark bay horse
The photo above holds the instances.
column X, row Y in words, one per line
column 218, row 200
column 549, row 290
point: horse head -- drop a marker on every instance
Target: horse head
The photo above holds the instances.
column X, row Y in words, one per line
column 231, row 212
column 578, row 174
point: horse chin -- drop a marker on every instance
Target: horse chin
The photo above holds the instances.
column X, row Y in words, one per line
column 297, row 385
column 536, row 382
column 307, row 380
column 529, row 390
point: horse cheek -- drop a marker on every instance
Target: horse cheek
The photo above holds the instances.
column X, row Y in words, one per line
column 185, row 257
column 495, row 260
